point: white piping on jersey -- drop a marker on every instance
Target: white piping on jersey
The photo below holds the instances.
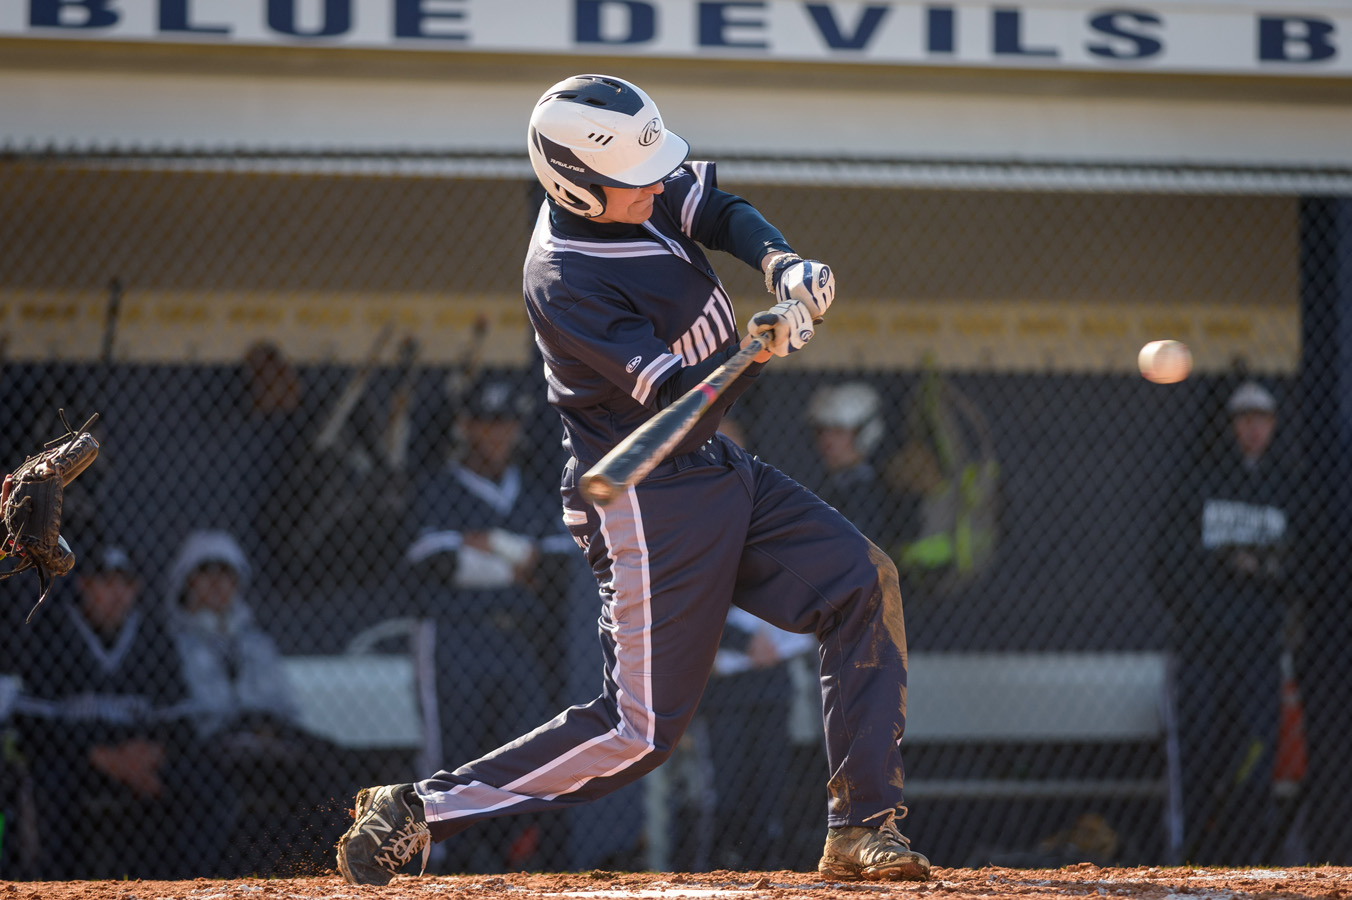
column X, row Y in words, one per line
column 552, row 241
column 501, row 495
column 693, row 198
column 110, row 659
column 652, row 375
column 634, row 737
column 644, row 606
column 675, row 248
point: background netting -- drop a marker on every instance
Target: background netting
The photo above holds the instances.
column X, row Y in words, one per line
column 302, row 568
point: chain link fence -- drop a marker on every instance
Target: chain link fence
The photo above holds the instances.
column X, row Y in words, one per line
column 321, row 547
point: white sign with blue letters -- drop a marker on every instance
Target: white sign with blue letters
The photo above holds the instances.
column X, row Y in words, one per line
column 1204, row 36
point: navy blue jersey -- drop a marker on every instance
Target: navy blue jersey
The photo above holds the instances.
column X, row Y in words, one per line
column 618, row 309
column 453, row 500
column 86, row 692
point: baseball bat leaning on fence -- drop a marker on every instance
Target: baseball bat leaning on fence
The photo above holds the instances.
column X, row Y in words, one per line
column 399, row 426
column 635, row 456
column 352, row 393
column 459, row 381
column 333, row 452
column 461, row 376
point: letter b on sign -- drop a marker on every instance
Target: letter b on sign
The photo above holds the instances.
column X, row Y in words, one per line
column 1295, row 39
column 71, row 14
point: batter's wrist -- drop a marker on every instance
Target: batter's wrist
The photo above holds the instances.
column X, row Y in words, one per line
column 775, row 262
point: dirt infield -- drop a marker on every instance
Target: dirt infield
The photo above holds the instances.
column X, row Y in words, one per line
column 990, row 883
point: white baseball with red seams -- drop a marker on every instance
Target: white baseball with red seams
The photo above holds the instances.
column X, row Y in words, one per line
column 1165, row 362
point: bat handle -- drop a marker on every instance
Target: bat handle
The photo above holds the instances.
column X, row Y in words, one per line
column 633, row 458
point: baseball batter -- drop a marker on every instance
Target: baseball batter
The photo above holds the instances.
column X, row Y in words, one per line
column 629, row 315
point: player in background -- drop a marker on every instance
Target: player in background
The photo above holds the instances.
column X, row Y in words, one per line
column 629, row 315
column 1228, row 571
column 103, row 729
column 847, row 429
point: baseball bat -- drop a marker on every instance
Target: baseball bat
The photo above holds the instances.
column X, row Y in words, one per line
column 399, row 425
column 352, row 392
column 110, row 318
column 459, row 379
column 461, row 376
column 634, row 457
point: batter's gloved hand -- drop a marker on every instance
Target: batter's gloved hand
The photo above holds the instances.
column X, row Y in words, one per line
column 30, row 506
column 784, row 327
column 790, row 277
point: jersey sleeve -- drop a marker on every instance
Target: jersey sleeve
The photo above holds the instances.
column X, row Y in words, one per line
column 719, row 220
column 617, row 343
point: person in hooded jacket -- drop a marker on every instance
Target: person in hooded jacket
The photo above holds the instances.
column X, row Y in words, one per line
column 242, row 706
column 233, row 667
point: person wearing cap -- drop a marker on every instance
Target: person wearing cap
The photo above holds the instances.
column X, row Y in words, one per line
column 481, row 507
column 485, row 524
column 1253, row 420
column 1229, row 576
column 101, row 729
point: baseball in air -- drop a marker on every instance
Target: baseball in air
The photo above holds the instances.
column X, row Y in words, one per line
column 1165, row 362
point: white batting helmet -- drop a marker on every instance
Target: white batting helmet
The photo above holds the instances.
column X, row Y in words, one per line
column 851, row 405
column 593, row 130
column 1251, row 397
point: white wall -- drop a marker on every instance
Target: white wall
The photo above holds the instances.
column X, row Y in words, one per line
column 991, row 116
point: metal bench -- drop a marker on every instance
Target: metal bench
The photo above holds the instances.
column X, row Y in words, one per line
column 1062, row 699
column 363, row 699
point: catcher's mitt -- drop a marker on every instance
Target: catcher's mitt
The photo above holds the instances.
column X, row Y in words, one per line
column 31, row 506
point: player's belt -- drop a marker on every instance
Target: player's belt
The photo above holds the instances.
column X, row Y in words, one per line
column 710, row 453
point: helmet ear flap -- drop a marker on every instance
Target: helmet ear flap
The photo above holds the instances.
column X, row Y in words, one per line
column 598, row 196
column 587, row 200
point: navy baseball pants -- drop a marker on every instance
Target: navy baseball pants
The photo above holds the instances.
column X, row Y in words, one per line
column 705, row 530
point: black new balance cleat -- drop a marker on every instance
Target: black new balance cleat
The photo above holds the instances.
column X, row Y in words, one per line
column 855, row 853
column 389, row 831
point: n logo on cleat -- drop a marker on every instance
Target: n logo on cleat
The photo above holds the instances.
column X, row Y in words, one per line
column 377, row 827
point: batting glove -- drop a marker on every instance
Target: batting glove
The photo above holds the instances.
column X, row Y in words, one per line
column 791, row 277
column 784, row 327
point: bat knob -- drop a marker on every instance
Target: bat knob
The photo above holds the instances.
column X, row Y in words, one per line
column 598, row 490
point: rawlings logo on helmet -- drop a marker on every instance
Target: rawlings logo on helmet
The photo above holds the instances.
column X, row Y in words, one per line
column 651, row 132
